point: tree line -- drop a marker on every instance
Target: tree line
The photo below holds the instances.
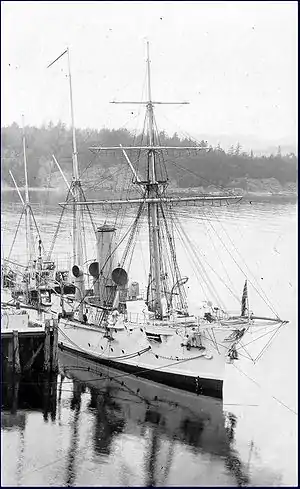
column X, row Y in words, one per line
column 186, row 169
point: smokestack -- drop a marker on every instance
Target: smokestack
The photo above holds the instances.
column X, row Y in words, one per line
column 106, row 258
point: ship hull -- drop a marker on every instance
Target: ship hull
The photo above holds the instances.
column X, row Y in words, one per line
column 135, row 356
column 153, row 397
column 198, row 385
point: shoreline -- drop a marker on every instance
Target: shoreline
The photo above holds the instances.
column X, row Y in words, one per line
column 9, row 194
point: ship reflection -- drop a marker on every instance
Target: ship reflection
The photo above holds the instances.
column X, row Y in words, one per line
column 164, row 418
column 75, row 406
column 232, row 462
column 34, row 392
column 109, row 419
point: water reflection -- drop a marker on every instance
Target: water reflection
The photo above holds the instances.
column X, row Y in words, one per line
column 163, row 417
column 109, row 420
column 106, row 427
column 35, row 392
column 233, row 462
column 75, row 407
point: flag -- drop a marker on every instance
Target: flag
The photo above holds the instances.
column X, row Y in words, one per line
column 57, row 58
column 245, row 308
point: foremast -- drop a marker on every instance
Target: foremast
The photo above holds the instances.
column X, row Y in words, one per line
column 76, row 185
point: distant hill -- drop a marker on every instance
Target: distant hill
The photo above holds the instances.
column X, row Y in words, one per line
column 251, row 142
column 186, row 169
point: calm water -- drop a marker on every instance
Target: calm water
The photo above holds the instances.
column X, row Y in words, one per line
column 88, row 426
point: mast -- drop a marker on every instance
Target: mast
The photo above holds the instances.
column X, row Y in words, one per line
column 77, row 237
column 28, row 227
column 77, row 194
column 77, row 212
column 152, row 191
column 17, row 188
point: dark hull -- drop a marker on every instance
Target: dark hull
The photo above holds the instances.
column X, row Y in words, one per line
column 198, row 385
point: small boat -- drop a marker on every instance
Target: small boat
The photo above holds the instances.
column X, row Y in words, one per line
column 26, row 290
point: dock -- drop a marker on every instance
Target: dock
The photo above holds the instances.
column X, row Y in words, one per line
column 27, row 347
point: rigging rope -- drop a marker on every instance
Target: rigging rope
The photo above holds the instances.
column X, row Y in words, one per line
column 261, row 387
column 266, row 300
column 232, row 290
column 16, row 232
column 36, row 227
column 57, row 229
column 206, row 277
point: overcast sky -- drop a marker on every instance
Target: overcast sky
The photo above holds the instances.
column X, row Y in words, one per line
column 235, row 62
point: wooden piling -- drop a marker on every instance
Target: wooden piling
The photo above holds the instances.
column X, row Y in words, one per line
column 32, row 358
column 16, row 353
column 47, row 345
column 10, row 352
column 15, row 394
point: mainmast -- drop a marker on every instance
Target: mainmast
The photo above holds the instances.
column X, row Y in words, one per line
column 152, row 193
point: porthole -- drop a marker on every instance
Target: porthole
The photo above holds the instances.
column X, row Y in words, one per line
column 111, row 349
column 101, row 347
column 123, row 351
column 89, row 344
column 142, row 330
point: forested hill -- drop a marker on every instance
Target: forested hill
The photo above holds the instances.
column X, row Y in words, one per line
column 215, row 167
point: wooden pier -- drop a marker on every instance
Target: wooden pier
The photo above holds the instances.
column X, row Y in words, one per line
column 27, row 348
